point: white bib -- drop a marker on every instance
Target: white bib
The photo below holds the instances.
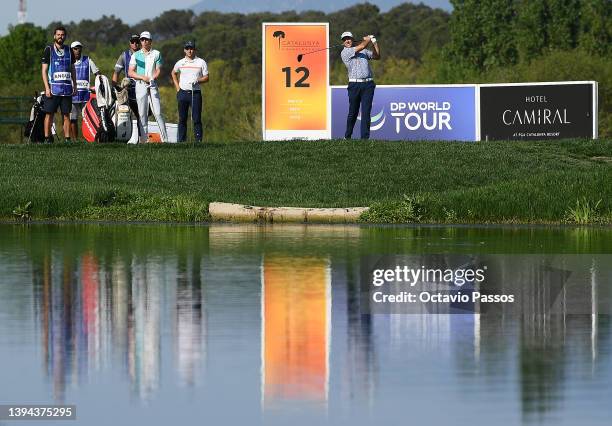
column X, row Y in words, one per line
column 82, row 84
column 61, row 76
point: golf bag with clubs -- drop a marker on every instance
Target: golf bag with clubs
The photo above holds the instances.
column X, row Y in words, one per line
column 98, row 124
column 122, row 117
column 35, row 128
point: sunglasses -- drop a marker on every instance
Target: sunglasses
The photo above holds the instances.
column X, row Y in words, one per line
column 134, row 41
column 145, row 39
column 77, row 48
column 190, row 48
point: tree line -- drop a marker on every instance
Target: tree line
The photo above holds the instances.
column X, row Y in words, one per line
column 480, row 41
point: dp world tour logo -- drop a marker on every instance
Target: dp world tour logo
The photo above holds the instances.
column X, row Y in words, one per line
column 374, row 124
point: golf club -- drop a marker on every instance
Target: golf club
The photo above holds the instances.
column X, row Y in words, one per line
column 301, row 55
column 192, row 134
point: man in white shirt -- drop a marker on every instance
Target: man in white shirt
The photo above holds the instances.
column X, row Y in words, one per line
column 145, row 68
column 192, row 72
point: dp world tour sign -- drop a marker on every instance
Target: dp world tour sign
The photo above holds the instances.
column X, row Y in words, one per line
column 538, row 110
column 295, row 81
column 414, row 113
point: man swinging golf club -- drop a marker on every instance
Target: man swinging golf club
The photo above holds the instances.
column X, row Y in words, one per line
column 145, row 68
column 361, row 82
column 193, row 71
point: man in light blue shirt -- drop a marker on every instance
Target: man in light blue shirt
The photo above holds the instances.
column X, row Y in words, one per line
column 361, row 81
column 145, row 68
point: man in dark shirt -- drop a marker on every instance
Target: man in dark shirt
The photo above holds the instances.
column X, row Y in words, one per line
column 59, row 78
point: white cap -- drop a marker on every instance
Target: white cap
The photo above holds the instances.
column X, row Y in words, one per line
column 346, row 34
column 145, row 34
column 75, row 44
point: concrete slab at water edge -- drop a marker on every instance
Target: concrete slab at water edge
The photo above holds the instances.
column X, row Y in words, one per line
column 245, row 213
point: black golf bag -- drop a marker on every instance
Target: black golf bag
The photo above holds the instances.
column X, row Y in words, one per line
column 35, row 128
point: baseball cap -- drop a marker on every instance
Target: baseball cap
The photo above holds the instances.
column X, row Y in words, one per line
column 134, row 37
column 346, row 34
column 145, row 34
column 75, row 44
column 189, row 43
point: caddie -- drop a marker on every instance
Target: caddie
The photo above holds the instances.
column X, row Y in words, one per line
column 84, row 67
column 59, row 79
column 123, row 65
column 361, row 81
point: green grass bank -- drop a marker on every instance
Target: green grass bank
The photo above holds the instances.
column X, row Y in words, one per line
column 404, row 182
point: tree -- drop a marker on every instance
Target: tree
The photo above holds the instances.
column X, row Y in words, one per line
column 172, row 23
column 20, row 54
column 482, row 34
column 531, row 28
column 564, row 23
column 596, row 27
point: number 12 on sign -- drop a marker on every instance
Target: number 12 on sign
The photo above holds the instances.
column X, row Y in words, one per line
column 302, row 81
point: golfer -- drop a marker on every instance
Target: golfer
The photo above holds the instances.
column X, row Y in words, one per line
column 123, row 65
column 192, row 72
column 59, row 78
column 84, row 67
column 361, row 81
column 145, row 67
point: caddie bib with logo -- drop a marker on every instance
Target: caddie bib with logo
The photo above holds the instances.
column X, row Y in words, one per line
column 82, row 78
column 59, row 72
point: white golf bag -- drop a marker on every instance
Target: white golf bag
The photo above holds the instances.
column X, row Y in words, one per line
column 123, row 113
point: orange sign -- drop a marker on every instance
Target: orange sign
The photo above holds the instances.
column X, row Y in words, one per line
column 295, row 80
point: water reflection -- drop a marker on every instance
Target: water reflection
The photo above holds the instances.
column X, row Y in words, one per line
column 296, row 308
column 153, row 312
column 93, row 314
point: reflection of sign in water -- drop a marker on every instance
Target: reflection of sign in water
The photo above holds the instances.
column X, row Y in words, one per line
column 296, row 304
column 539, row 111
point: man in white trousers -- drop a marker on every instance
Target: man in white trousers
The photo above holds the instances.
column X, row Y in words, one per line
column 145, row 67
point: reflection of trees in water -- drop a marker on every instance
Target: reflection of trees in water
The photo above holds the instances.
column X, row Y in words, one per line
column 558, row 324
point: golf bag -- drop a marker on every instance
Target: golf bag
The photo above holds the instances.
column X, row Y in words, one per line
column 123, row 114
column 35, row 128
column 98, row 125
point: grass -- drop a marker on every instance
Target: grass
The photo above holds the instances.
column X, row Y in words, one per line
column 426, row 182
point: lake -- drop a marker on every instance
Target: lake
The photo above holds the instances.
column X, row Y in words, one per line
column 277, row 324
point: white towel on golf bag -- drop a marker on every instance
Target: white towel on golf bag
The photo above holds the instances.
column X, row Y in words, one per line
column 104, row 95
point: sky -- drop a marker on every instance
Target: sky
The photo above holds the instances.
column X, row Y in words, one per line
column 42, row 12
